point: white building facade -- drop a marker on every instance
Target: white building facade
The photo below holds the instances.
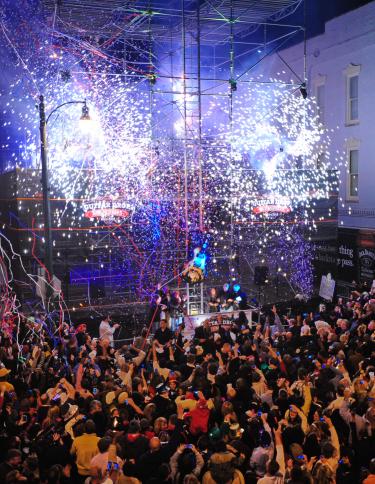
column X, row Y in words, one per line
column 341, row 75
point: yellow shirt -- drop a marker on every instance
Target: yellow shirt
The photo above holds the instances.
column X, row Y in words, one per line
column 85, row 447
column 189, row 404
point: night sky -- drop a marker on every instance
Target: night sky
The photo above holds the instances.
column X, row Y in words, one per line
column 320, row 11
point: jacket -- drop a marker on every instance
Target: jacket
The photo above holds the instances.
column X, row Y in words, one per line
column 199, row 418
column 85, row 447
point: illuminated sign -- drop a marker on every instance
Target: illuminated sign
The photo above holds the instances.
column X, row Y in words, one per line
column 106, row 209
column 272, row 205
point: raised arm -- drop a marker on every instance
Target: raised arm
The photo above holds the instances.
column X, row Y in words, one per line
column 280, row 456
column 334, row 437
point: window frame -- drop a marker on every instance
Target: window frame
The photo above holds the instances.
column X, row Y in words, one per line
column 350, row 72
column 320, row 81
column 352, row 145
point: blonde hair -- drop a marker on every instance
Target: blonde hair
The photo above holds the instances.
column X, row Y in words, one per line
column 149, row 411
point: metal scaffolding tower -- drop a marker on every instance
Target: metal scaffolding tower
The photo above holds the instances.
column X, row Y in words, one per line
column 189, row 51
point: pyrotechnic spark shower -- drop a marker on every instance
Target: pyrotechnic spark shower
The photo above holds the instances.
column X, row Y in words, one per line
column 259, row 145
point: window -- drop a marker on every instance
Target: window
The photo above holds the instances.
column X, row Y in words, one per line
column 353, row 98
column 321, row 161
column 320, row 95
column 352, row 94
column 353, row 174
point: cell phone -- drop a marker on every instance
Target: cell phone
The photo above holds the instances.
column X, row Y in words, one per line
column 371, row 374
column 278, row 353
column 259, row 413
column 301, row 456
column 310, row 357
column 189, row 446
column 341, row 461
column 94, row 391
column 112, row 466
column 322, row 419
column 126, row 402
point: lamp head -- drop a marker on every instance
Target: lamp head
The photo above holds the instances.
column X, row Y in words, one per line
column 85, row 113
column 303, row 90
column 85, row 121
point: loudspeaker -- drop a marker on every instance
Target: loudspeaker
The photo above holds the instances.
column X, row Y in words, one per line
column 97, row 290
column 260, row 275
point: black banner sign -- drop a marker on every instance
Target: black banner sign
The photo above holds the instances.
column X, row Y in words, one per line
column 366, row 258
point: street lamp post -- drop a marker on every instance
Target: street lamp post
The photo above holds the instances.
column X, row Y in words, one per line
column 43, row 121
column 46, row 195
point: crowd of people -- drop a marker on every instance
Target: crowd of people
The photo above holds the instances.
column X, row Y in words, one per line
column 285, row 399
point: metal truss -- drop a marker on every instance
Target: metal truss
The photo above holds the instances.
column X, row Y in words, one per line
column 204, row 44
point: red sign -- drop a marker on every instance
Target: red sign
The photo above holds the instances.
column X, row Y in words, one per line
column 272, row 204
column 106, row 213
column 271, row 208
column 106, row 208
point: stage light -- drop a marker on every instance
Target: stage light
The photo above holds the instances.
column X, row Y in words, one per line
column 233, row 85
column 303, row 90
column 152, row 79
